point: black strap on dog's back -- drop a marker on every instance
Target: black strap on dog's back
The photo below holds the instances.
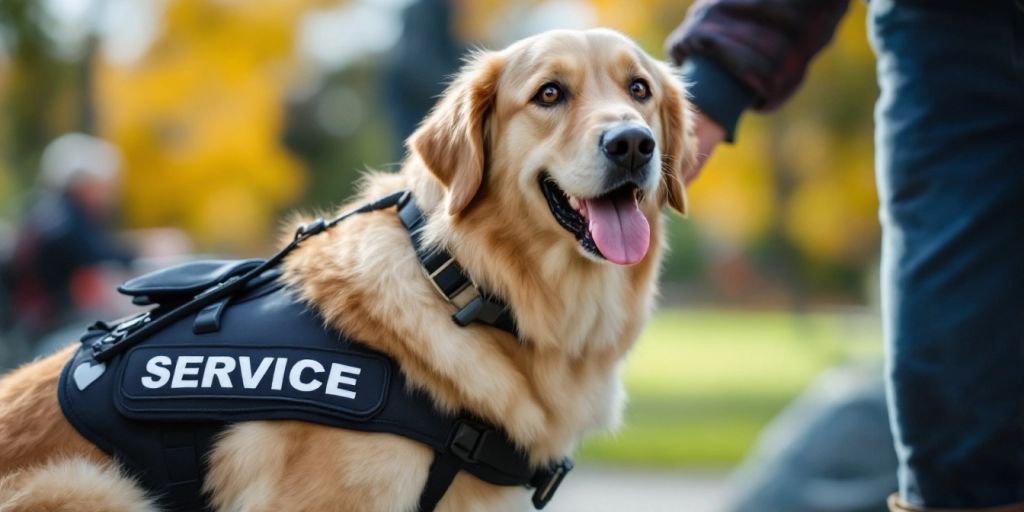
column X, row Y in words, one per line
column 108, row 346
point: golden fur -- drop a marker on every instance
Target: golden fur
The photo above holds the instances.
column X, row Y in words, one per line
column 473, row 166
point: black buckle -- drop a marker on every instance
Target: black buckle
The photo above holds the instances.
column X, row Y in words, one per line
column 467, row 440
column 480, row 308
column 305, row 231
column 118, row 333
column 546, row 482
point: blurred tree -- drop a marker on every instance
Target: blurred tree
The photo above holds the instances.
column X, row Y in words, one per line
column 825, row 141
column 41, row 93
column 200, row 120
column 416, row 72
column 337, row 131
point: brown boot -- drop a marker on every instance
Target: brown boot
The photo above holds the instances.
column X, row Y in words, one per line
column 897, row 505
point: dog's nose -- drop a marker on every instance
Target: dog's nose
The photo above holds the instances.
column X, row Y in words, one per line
column 630, row 146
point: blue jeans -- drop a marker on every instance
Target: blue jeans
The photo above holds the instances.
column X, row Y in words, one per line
column 950, row 164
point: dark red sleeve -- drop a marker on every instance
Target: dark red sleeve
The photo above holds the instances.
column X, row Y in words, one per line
column 765, row 46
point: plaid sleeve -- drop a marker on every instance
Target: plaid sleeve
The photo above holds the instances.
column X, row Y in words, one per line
column 750, row 53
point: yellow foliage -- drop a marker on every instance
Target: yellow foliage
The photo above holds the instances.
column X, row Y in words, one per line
column 477, row 20
column 808, row 149
column 6, row 186
column 647, row 21
column 628, row 17
column 831, row 215
column 732, row 200
column 200, row 116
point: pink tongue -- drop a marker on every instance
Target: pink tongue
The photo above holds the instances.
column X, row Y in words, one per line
column 619, row 229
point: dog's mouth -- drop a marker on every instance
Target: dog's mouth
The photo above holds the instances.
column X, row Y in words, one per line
column 610, row 226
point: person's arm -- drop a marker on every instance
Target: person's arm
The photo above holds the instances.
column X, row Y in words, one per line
column 740, row 54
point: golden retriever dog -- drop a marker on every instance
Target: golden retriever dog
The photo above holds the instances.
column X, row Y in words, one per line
column 544, row 170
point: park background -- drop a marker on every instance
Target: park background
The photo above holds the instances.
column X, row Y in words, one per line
column 231, row 113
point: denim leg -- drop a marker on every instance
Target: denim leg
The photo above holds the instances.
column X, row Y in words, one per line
column 950, row 171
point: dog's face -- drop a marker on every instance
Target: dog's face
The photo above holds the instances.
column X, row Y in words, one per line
column 590, row 133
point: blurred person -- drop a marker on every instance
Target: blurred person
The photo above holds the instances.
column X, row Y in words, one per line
column 950, row 121
column 57, row 270
column 415, row 72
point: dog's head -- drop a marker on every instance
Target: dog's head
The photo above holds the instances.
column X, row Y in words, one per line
column 581, row 131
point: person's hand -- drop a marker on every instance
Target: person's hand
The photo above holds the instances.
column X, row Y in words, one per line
column 709, row 134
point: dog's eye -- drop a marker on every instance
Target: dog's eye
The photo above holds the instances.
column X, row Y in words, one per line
column 549, row 94
column 639, row 89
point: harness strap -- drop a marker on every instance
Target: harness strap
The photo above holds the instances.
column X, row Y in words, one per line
column 488, row 454
column 184, row 450
column 442, row 472
column 450, row 279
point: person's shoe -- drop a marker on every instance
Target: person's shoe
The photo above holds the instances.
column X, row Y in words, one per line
column 898, row 505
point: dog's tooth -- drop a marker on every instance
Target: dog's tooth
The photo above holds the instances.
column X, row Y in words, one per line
column 575, row 203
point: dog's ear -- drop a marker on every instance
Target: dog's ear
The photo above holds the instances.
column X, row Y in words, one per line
column 679, row 147
column 451, row 141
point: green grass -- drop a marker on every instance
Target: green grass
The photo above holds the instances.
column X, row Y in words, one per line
column 702, row 384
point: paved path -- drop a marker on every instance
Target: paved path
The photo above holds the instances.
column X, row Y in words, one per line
column 606, row 489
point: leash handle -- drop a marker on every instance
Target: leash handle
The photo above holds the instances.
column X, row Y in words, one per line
column 122, row 339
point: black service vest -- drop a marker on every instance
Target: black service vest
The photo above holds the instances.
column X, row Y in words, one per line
column 258, row 355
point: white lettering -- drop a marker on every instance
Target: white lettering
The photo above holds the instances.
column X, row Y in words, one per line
column 195, row 371
column 336, row 380
column 278, row 374
column 182, row 368
column 156, row 366
column 219, row 367
column 249, row 379
column 295, row 376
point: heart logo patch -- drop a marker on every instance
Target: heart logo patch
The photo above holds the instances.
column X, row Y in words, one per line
column 87, row 373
